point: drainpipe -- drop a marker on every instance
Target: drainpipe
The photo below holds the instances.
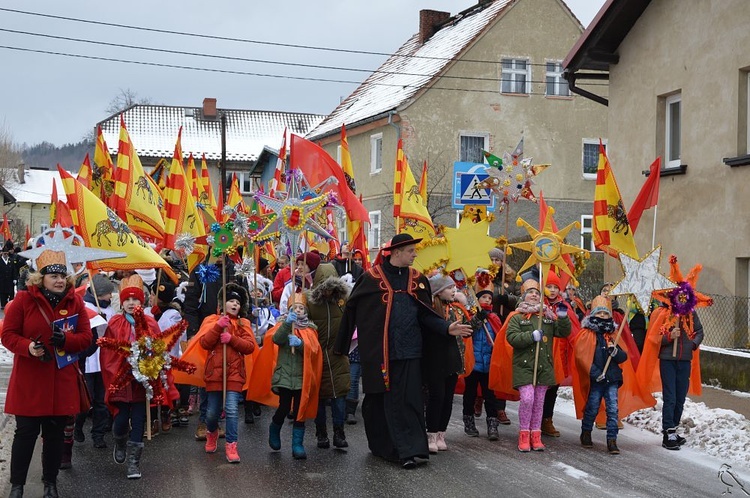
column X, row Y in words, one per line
column 572, row 77
column 390, row 122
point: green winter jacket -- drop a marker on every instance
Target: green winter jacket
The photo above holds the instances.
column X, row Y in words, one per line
column 325, row 304
column 288, row 373
column 519, row 336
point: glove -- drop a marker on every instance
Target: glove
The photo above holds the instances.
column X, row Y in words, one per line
column 255, row 312
column 612, row 351
column 482, row 314
column 223, row 322
column 38, row 344
column 294, row 341
column 537, row 335
column 291, row 317
column 58, row 338
column 562, row 310
column 225, row 337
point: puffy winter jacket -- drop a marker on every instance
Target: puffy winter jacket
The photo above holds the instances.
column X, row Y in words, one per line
column 242, row 343
column 519, row 335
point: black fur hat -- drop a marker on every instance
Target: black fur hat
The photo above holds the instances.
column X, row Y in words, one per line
column 238, row 292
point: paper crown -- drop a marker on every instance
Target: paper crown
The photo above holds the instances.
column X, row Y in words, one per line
column 298, row 298
column 601, row 303
column 483, row 284
column 132, row 286
column 51, row 262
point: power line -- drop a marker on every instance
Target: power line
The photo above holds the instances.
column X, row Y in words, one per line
column 246, row 40
column 241, row 73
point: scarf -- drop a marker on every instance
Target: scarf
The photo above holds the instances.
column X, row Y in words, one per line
column 531, row 309
column 601, row 325
column 54, row 298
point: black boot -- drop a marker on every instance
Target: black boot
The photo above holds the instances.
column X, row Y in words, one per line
column 16, row 491
column 670, row 441
column 492, row 433
column 339, row 438
column 67, row 455
column 322, row 434
column 351, row 410
column 50, row 490
column 120, row 447
column 470, row 428
column 135, row 450
column 612, row 447
column 586, row 439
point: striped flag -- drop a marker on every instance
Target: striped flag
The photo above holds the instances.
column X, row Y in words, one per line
column 353, row 227
column 103, row 181
column 413, row 214
column 200, row 195
column 235, row 199
column 207, row 187
column 277, row 183
column 611, row 229
column 399, row 175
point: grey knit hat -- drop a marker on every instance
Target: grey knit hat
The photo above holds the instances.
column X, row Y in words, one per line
column 102, row 285
column 495, row 253
column 440, row 282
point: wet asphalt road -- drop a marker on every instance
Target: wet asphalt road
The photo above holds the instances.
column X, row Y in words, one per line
column 175, row 465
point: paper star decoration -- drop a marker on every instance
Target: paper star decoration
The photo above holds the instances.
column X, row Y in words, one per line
column 642, row 278
column 67, row 241
column 469, row 246
column 547, row 247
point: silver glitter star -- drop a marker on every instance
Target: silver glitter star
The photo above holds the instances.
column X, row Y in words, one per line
column 642, row 278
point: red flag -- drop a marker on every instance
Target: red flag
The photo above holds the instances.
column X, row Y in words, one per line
column 543, row 213
column 318, row 167
column 648, row 197
column 277, row 184
column 28, row 234
column 220, row 204
column 5, row 228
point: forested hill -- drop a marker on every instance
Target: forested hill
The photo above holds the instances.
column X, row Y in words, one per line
column 46, row 155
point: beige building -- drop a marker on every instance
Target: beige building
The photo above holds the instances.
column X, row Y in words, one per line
column 27, row 195
column 480, row 79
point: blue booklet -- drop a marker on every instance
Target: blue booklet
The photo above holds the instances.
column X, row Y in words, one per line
column 67, row 325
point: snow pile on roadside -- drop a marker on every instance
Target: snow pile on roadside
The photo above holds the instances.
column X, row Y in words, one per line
column 6, row 357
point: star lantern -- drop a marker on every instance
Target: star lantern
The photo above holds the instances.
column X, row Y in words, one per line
column 469, row 246
column 642, row 278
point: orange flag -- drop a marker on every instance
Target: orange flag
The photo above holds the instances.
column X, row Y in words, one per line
column 59, row 212
column 28, row 234
column 648, row 197
column 235, row 198
column 5, row 228
column 101, row 228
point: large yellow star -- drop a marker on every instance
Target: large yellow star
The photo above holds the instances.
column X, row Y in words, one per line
column 547, row 247
column 469, row 246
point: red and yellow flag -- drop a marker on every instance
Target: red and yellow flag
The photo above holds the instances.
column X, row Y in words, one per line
column 136, row 199
column 208, row 189
column 85, row 176
column 101, row 228
column 5, row 228
column 353, row 227
column 181, row 215
column 277, row 182
column 103, row 182
column 199, row 195
column 611, row 229
column 235, row 199
column 59, row 212
column 413, row 215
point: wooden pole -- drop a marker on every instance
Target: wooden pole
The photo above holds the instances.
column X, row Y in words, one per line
column 541, row 315
column 609, row 358
column 224, row 304
column 505, row 257
column 148, row 418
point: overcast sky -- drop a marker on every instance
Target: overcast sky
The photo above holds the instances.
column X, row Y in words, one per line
column 59, row 99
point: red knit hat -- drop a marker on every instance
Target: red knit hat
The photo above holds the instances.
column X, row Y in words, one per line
column 553, row 279
column 311, row 259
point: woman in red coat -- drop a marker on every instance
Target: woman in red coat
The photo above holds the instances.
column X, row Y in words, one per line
column 40, row 392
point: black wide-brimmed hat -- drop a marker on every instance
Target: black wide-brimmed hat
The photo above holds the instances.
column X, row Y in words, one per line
column 402, row 240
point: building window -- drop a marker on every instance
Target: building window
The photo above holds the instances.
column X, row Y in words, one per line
column 516, row 76
column 470, row 147
column 373, row 240
column 587, row 239
column 590, row 155
column 245, row 180
column 376, row 153
column 556, row 84
column 672, row 142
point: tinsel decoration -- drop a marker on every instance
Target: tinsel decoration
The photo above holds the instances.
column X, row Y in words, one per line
column 215, row 227
column 246, row 268
column 184, row 244
column 241, row 226
column 207, row 273
column 148, row 358
column 210, row 240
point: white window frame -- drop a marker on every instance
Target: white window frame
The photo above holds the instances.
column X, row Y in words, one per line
column 672, row 163
column 241, row 176
column 561, row 88
column 512, row 72
column 587, row 230
column 376, row 153
column 474, row 134
column 584, row 143
column 373, row 234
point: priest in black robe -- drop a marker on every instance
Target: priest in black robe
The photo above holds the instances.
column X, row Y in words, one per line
column 391, row 308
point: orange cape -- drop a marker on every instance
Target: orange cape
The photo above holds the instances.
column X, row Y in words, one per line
column 259, row 388
column 501, row 365
column 196, row 355
column 562, row 350
column 631, row 396
column 648, row 369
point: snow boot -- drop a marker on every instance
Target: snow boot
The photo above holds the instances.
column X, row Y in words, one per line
column 586, row 439
column 339, row 438
column 321, row 432
column 135, row 451
column 50, row 489
column 441, row 441
column 612, row 447
column 548, row 428
column 523, row 441
column 119, row 452
column 492, row 423
column 432, row 442
column 470, row 428
column 16, row 491
column 670, row 441
column 274, row 436
column 298, row 440
column 536, row 441
column 503, row 417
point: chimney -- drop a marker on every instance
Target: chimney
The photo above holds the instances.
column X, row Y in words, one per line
column 209, row 108
column 428, row 22
column 21, row 172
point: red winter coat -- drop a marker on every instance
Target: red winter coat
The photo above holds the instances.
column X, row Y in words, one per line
column 37, row 388
column 120, row 329
column 242, row 343
column 279, row 282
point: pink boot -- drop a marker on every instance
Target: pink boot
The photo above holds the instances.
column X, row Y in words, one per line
column 523, row 441
column 536, row 441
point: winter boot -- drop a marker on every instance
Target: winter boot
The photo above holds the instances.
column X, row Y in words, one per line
column 321, row 432
column 548, row 428
column 298, row 440
column 50, row 489
column 166, row 420
column 432, row 442
column 612, row 447
column 211, row 439
column 586, row 439
column 200, row 432
column 67, row 455
column 670, row 441
column 135, row 450
column 339, row 438
column 492, row 423
column 274, row 436
column 16, row 491
column 503, row 417
column 231, row 452
column 441, row 441
column 351, row 410
column 536, row 441
column 119, row 452
column 523, row 441
column 470, row 428
column 78, row 435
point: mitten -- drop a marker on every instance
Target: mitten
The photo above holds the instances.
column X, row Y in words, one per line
column 223, row 322
column 537, row 335
column 294, row 341
column 562, row 310
column 225, row 337
column 291, row 317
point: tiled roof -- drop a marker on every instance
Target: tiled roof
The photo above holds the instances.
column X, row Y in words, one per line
column 412, row 67
column 153, row 130
column 37, row 186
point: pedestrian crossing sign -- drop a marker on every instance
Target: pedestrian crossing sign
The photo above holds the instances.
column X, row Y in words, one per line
column 466, row 191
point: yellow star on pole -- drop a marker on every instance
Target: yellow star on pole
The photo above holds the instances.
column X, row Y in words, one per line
column 546, row 247
column 469, row 246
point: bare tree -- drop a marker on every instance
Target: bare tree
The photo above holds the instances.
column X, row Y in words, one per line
column 10, row 154
column 125, row 99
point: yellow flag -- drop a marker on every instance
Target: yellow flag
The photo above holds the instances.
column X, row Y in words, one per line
column 235, row 198
column 414, row 218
